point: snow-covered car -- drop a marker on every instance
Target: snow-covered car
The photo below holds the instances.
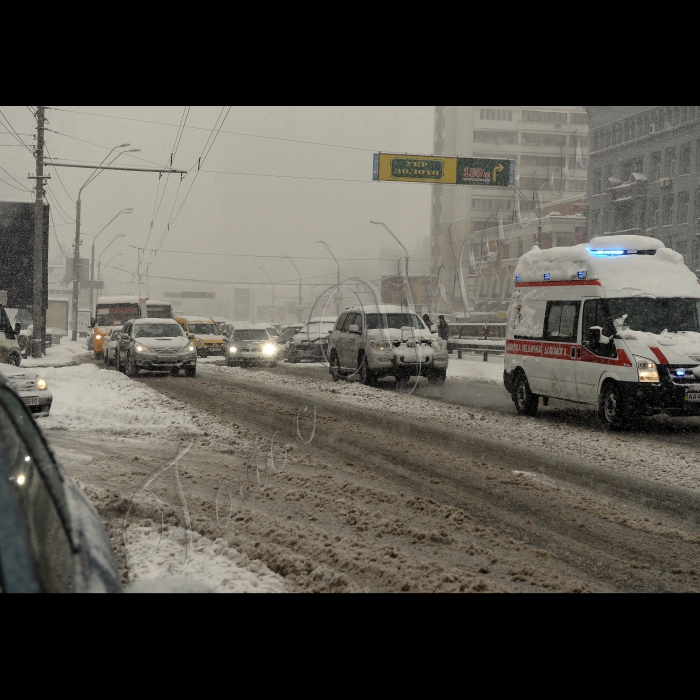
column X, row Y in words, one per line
column 207, row 336
column 30, row 387
column 51, row 538
column 9, row 336
column 157, row 345
column 109, row 345
column 251, row 345
column 311, row 341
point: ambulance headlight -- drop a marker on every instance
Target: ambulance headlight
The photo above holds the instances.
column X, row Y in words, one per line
column 647, row 371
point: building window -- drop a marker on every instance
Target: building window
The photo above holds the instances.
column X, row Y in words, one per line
column 656, row 166
column 595, row 223
column 533, row 116
column 670, row 162
column 626, row 170
column 488, row 203
column 608, row 174
column 597, row 174
column 539, row 139
column 685, row 159
column 579, row 118
column 579, row 139
column 498, row 137
column 561, row 240
column 667, row 214
column 683, row 207
column 653, row 212
column 681, row 247
column 497, row 114
column 541, row 161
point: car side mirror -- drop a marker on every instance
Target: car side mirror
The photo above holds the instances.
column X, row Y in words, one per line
column 123, row 336
column 594, row 336
column 190, row 336
column 353, row 328
column 18, row 328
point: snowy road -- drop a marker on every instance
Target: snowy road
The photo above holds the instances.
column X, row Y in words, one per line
column 402, row 492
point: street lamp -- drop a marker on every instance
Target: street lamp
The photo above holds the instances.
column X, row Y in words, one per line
column 298, row 273
column 273, row 287
column 119, row 235
column 76, row 244
column 92, row 257
column 337, row 305
column 381, row 223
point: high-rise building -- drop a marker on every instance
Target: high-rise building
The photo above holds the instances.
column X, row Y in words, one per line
column 487, row 227
column 644, row 175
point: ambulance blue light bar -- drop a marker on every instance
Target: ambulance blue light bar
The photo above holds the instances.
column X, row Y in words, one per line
column 517, row 278
column 680, row 373
column 547, row 276
column 607, row 253
column 581, row 274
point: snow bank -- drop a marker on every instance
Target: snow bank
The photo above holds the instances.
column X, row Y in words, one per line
column 475, row 369
column 67, row 353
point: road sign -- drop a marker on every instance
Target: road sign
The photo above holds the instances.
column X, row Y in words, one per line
column 406, row 168
column 445, row 170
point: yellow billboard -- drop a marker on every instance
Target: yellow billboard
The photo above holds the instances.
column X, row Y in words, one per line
column 399, row 167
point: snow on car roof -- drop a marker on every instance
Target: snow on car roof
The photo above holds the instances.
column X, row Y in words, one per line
column 381, row 308
column 195, row 319
column 141, row 321
column 615, row 263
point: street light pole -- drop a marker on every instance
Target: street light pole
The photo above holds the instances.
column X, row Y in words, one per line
column 381, row 223
column 92, row 257
column 273, row 287
column 299, row 273
column 337, row 305
column 76, row 244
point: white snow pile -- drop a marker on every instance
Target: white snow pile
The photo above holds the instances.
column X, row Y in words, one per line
column 86, row 397
column 67, row 353
column 213, row 563
column 682, row 342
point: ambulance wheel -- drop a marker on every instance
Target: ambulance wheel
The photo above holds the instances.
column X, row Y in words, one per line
column 525, row 401
column 611, row 407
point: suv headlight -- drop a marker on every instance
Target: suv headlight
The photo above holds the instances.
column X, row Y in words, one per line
column 380, row 344
column 141, row 348
column 233, row 349
column 268, row 349
column 41, row 384
column 191, row 348
column 647, row 371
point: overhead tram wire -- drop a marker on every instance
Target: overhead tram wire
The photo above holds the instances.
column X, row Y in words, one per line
column 235, row 133
column 16, row 135
column 59, row 175
column 21, row 184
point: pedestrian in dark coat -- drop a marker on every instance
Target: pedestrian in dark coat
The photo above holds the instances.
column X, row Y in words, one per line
column 428, row 322
column 443, row 328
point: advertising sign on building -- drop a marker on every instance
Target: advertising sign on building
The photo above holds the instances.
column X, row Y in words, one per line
column 484, row 172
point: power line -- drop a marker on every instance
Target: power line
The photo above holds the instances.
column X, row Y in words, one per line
column 58, row 175
column 22, row 185
column 235, row 133
column 9, row 184
column 15, row 133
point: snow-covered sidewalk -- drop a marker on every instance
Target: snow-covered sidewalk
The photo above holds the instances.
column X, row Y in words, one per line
column 69, row 352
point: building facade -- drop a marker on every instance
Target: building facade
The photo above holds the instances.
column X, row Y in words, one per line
column 478, row 233
column 644, row 175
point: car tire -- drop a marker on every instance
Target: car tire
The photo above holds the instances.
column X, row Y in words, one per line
column 612, row 410
column 118, row 362
column 131, row 369
column 367, row 376
column 190, row 371
column 335, row 368
column 14, row 359
column 526, row 403
column 437, row 376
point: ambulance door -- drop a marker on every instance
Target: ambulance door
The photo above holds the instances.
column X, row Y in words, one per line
column 594, row 359
column 559, row 349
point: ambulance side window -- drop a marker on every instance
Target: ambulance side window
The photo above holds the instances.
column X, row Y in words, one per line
column 595, row 314
column 561, row 323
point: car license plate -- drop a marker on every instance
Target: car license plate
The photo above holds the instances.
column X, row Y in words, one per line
column 31, row 400
column 692, row 395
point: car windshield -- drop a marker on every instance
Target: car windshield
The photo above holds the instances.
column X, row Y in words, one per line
column 317, row 328
column 158, row 330
column 250, row 334
column 204, row 329
column 674, row 314
column 397, row 321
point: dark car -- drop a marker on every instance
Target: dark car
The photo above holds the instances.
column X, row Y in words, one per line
column 51, row 538
column 157, row 345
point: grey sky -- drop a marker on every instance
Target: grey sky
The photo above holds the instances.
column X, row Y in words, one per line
column 227, row 213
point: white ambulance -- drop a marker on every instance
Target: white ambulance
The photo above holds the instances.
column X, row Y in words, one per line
column 614, row 323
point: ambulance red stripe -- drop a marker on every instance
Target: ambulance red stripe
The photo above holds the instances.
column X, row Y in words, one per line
column 562, row 351
column 560, row 283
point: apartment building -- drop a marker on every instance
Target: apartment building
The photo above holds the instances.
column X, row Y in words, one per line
column 644, row 175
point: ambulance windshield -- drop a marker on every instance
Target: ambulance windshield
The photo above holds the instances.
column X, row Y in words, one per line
column 674, row 315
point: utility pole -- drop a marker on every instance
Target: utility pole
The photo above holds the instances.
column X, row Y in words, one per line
column 38, row 311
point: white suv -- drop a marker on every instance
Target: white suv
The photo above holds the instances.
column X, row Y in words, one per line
column 385, row 341
column 9, row 349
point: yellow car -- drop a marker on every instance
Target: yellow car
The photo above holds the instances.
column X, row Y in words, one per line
column 208, row 338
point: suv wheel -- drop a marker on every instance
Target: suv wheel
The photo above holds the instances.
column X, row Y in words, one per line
column 14, row 359
column 526, row 402
column 335, row 368
column 118, row 362
column 437, row 376
column 367, row 376
column 191, row 371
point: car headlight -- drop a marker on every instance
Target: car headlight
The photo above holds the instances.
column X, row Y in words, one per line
column 232, row 349
column 199, row 341
column 191, row 348
column 647, row 371
column 98, row 336
column 268, row 349
column 141, row 348
column 41, row 384
column 379, row 345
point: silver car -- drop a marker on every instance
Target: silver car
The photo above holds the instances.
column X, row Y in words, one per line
column 156, row 345
column 109, row 347
column 30, row 387
column 250, row 345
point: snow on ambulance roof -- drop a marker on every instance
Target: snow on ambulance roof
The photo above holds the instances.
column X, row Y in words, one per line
column 623, row 265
